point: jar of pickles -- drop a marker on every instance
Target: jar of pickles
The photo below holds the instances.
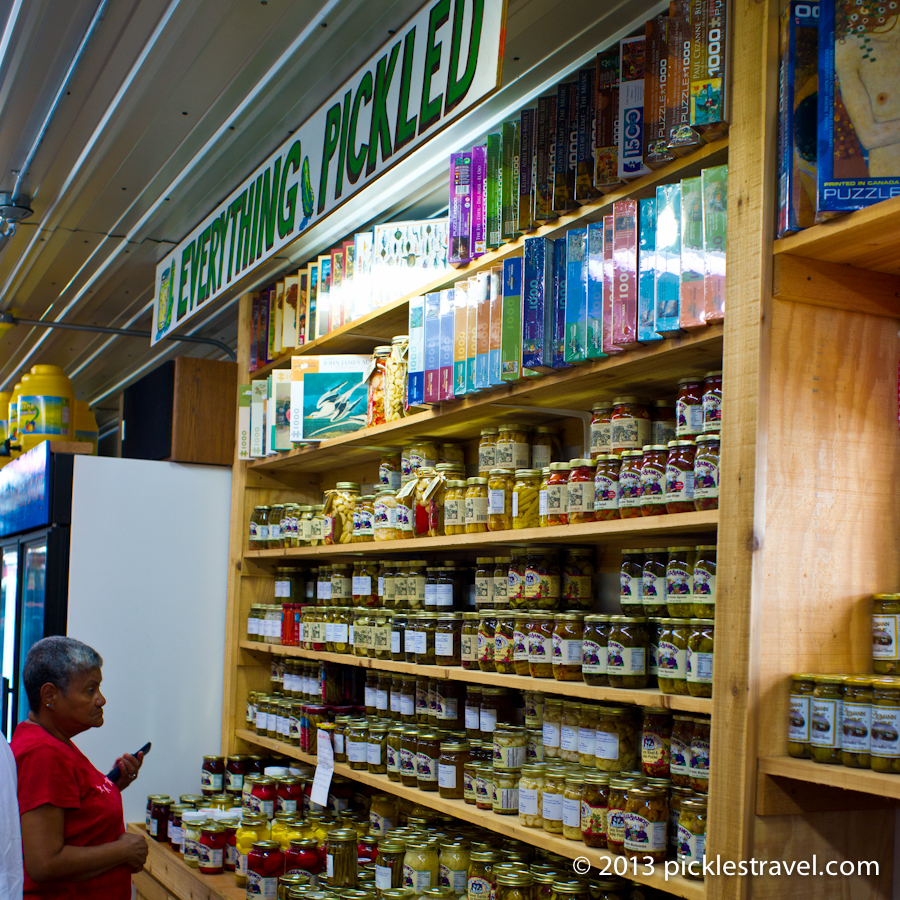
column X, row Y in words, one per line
column 631, row 582
column 680, row 581
column 672, row 655
column 513, row 449
column 476, row 506
column 646, row 821
column 706, row 472
column 578, row 579
column 690, row 842
column 629, row 485
column 627, row 652
column 594, row 650
column 580, row 492
column 525, row 497
column 500, row 500
column 700, row 657
column 654, row 595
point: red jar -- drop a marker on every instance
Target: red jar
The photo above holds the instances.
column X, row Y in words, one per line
column 303, row 856
column 689, row 408
column 265, row 865
column 712, row 401
column 606, row 487
column 558, row 494
column 367, row 850
column 231, row 851
column 580, row 492
column 630, row 484
column 159, row 820
column 262, row 796
column 680, row 476
column 653, row 480
column 289, row 794
column 235, row 770
column 290, row 636
column 211, row 849
column 630, row 422
column 212, row 775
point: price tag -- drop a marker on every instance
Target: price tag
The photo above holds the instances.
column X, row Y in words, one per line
column 324, row 770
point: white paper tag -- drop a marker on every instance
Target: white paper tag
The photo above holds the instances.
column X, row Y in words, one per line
column 324, row 770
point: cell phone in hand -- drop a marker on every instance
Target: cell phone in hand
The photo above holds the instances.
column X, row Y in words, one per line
column 113, row 775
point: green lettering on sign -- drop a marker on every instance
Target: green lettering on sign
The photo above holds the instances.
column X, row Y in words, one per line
column 430, row 110
column 380, row 132
column 458, row 88
column 406, row 128
column 287, row 223
column 356, row 161
column 268, row 208
column 342, row 153
column 332, row 135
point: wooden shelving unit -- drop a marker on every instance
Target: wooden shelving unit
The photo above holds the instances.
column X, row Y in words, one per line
column 646, row 697
column 505, row 825
column 807, row 527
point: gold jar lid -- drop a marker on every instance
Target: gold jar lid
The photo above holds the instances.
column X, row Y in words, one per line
column 559, row 467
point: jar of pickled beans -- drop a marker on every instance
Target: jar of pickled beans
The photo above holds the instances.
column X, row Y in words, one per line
column 525, row 498
column 500, row 500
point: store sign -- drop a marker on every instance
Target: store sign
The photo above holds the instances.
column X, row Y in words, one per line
column 441, row 64
column 25, row 491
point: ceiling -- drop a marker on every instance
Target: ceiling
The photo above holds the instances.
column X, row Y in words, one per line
column 171, row 105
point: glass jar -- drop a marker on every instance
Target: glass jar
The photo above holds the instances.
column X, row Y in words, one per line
column 646, row 821
column 259, row 528
column 540, row 646
column 496, row 706
column 594, row 805
column 211, row 849
column 551, row 726
column 484, row 582
column 343, row 502
column 672, row 650
column 484, row 787
column 884, row 748
column 357, row 744
column 428, row 751
column 504, row 644
column 680, row 750
column 885, row 632
column 627, row 652
column 680, row 581
column 680, row 476
column 364, row 584
column 453, row 757
column 158, row 819
column 542, row 578
column 580, row 492
column 654, row 582
column 700, row 658
column 276, row 514
column 543, row 511
column 447, row 639
column 513, row 449
column 500, row 582
column 558, row 494
column 631, row 582
column 468, row 641
column 453, row 867
column 487, row 624
column 699, row 766
column 662, row 422
column 376, row 749
column 505, row 800
column 409, row 739
column 476, row 505
column 500, row 494
column 689, row 408
column 422, row 455
column 587, row 735
column 617, row 740
column 594, row 651
column 508, row 747
column 630, row 423
column 265, row 865
column 389, row 865
column 487, row 450
column 405, row 512
column 470, row 775
column 385, row 511
column 606, row 487
column 615, row 815
column 630, row 488
column 395, row 376
column 601, row 428
column 364, row 520
column 480, row 881
column 515, row 591
column 416, row 580
column 656, row 737
column 531, row 789
column 514, row 885
column 653, row 480
column 578, row 579
column 212, row 775
column 389, row 470
column 375, row 405
column 552, row 799
column 525, row 498
column 567, row 638
column 690, row 841
column 856, row 722
column 455, row 507
column 341, row 858
column 521, row 630
column 569, row 724
column 704, row 582
column 706, row 472
column 712, row 402
column 799, row 718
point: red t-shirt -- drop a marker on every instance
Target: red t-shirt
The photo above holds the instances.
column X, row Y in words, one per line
column 51, row 771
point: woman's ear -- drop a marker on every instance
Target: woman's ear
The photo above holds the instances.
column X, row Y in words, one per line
column 49, row 693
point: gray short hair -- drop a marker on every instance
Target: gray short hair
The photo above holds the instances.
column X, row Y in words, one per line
column 56, row 660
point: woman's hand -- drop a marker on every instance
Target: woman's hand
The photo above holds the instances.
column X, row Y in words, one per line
column 129, row 766
column 135, row 849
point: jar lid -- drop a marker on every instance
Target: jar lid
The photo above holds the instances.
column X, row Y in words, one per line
column 717, row 374
column 449, row 616
column 469, row 616
column 627, row 398
column 634, row 551
column 702, row 621
column 695, row 379
column 698, row 803
column 347, row 486
column 680, row 549
column 517, row 878
column 455, row 746
column 674, row 621
column 561, row 886
column 614, row 711
column 859, row 680
column 581, row 462
column 803, row 676
column 341, row 834
column 706, row 547
column 486, row 855
column 494, row 691
column 569, row 617
column 476, row 480
column 513, row 426
column 631, row 453
column 483, row 560
column 596, row 778
column 595, row 619
column 559, row 467
column 707, row 437
column 214, row 758
column 882, row 684
column 682, row 443
column 648, row 447
column 382, row 350
column 489, row 430
column 456, row 483
column 886, row 596
column 626, row 619
column 602, row 404
column 502, row 560
column 528, row 473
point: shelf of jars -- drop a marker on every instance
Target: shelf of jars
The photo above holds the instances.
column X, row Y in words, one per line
column 639, row 697
column 863, row 781
column 697, row 524
column 654, row 876
column 380, row 325
column 650, row 371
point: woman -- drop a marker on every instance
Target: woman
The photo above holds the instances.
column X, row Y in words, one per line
column 73, row 835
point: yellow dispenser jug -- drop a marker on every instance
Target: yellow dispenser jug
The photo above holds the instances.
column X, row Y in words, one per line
column 46, row 407
column 13, row 409
column 4, row 412
column 86, row 424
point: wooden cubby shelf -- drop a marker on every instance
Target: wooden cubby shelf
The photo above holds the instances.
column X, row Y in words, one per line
column 505, row 825
column 643, row 697
column 696, row 523
column 650, row 371
column 380, row 325
column 863, row 781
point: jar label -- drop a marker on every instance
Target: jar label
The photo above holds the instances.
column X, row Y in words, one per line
column 601, row 437
column 485, row 646
column 383, row 876
column 508, row 757
column 502, row 649
column 540, row 456
column 654, row 587
column 542, row 502
column 528, row 801
column 654, row 749
column 512, row 455
column 568, row 738
column 856, row 730
column 400, row 592
column 443, row 595
column 267, row 888
column 586, row 741
column 615, row 826
column 540, row 648
column 884, row 636
column 631, row 588
column 688, row 418
column 704, row 586
column 629, row 433
column 418, row 881
column 699, row 767
column 629, row 487
column 712, row 410
column 361, row 585
column 500, row 587
column 607, row 745
column 407, row 705
column 473, row 720
column 885, row 731
column 282, row 589
column 679, row 484
column 571, row 813
column 407, row 762
column 426, row 768
column 706, row 478
column 653, row 483
column 389, row 477
column 454, row 512
column 476, row 510
column 798, row 718
column 373, row 753
column 152, row 826
column 566, row 652
column 189, row 848
column 286, row 805
column 662, row 431
column 699, row 667
column 323, row 590
column 213, row 783
column 557, row 499
column 552, row 807
column 580, row 497
column 593, row 658
column 455, row 879
column 468, row 785
column 642, row 835
column 621, row 660
column 415, row 590
column 468, row 647
column 175, row 834
column 393, row 759
column 484, row 590
column 550, row 731
column 672, row 662
column 606, row 492
column 478, row 887
column 487, row 458
column 593, row 819
column 357, row 751
column 446, row 776
column 520, row 646
column 690, row 848
column 506, row 800
column 447, row 707
column 443, row 644
column 487, row 720
column 679, row 580
column 496, row 501
column 395, row 642
column 679, row 757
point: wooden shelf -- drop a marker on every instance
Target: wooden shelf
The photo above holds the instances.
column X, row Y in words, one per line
column 862, row 781
column 644, row 697
column 648, row 371
column 505, row 825
column 380, row 325
column 701, row 522
column 169, row 870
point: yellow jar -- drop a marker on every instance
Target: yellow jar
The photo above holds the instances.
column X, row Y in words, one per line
column 543, row 513
column 455, row 507
column 253, row 829
column 526, row 498
column 500, row 494
column 343, row 504
column 513, row 449
column 385, row 509
column 476, row 505
column 487, row 451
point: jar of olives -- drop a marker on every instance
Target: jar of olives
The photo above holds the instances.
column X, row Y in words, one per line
column 476, row 506
column 627, row 652
column 672, row 650
column 799, row 717
column 551, row 809
column 594, row 650
column 500, row 500
column 680, row 581
column 646, row 821
column 856, row 721
column 653, row 480
column 631, row 582
column 885, row 632
column 884, row 746
column 526, row 490
column 580, row 492
column 630, row 488
column 700, row 658
column 606, row 487
column 706, row 472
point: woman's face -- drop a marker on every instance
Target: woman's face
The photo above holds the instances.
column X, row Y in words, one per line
column 82, row 707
